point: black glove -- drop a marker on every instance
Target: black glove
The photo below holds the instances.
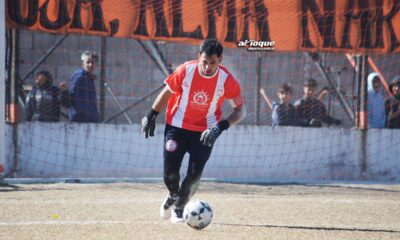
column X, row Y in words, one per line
column 149, row 123
column 209, row 136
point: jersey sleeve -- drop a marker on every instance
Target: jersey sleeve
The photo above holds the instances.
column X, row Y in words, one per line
column 233, row 91
column 174, row 81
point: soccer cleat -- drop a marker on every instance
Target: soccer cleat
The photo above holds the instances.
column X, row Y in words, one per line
column 165, row 211
column 177, row 215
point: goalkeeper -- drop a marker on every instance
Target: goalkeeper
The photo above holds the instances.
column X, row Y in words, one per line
column 193, row 95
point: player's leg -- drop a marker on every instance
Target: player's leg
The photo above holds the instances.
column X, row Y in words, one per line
column 174, row 151
column 199, row 154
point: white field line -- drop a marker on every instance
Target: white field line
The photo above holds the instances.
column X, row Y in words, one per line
column 79, row 201
column 57, row 222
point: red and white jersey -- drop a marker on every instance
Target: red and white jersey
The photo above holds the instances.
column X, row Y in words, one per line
column 197, row 100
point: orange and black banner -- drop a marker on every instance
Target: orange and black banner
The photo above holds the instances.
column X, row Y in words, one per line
column 354, row 26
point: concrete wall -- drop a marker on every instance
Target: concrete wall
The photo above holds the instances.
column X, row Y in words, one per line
column 243, row 153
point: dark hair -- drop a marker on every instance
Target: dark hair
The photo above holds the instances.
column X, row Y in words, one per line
column 311, row 83
column 285, row 88
column 211, row 47
column 47, row 74
column 395, row 81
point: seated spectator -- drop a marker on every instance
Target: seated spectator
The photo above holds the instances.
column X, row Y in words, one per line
column 283, row 113
column 310, row 112
column 392, row 105
column 376, row 107
column 83, row 91
column 44, row 101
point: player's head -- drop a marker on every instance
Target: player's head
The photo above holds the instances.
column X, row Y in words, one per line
column 43, row 77
column 89, row 60
column 285, row 93
column 310, row 88
column 209, row 56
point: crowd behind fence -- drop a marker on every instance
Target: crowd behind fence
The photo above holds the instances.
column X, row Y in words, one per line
column 128, row 73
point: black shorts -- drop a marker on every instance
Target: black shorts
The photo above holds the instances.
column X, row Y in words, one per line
column 177, row 142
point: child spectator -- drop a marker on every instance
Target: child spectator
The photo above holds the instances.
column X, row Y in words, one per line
column 376, row 107
column 392, row 104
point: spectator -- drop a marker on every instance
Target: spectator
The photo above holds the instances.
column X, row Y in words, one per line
column 310, row 112
column 376, row 107
column 392, row 104
column 283, row 113
column 83, row 91
column 44, row 101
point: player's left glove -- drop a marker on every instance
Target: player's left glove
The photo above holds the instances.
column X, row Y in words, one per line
column 209, row 136
column 149, row 123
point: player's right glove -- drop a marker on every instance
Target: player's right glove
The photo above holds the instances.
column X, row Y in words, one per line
column 209, row 136
column 149, row 123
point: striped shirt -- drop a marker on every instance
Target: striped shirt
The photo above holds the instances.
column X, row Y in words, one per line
column 197, row 100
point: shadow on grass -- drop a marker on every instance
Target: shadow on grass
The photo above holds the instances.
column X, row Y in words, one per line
column 309, row 228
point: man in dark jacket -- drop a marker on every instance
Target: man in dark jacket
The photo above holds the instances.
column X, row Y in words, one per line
column 83, row 91
column 44, row 101
column 392, row 104
column 311, row 112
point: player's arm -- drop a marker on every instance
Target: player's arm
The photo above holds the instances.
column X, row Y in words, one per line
column 162, row 99
column 239, row 111
column 149, row 121
column 209, row 136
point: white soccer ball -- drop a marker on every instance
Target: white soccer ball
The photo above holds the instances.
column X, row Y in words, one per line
column 198, row 214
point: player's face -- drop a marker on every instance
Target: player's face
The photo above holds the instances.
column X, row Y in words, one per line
column 309, row 91
column 89, row 64
column 40, row 79
column 209, row 64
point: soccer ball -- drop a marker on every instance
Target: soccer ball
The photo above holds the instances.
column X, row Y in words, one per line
column 198, row 214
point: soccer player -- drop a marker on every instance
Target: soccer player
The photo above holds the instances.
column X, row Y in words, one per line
column 194, row 93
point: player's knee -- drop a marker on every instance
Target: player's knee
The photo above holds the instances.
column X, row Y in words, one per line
column 171, row 177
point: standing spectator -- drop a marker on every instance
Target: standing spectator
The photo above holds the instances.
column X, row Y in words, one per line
column 283, row 113
column 376, row 107
column 83, row 91
column 392, row 104
column 311, row 112
column 44, row 101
